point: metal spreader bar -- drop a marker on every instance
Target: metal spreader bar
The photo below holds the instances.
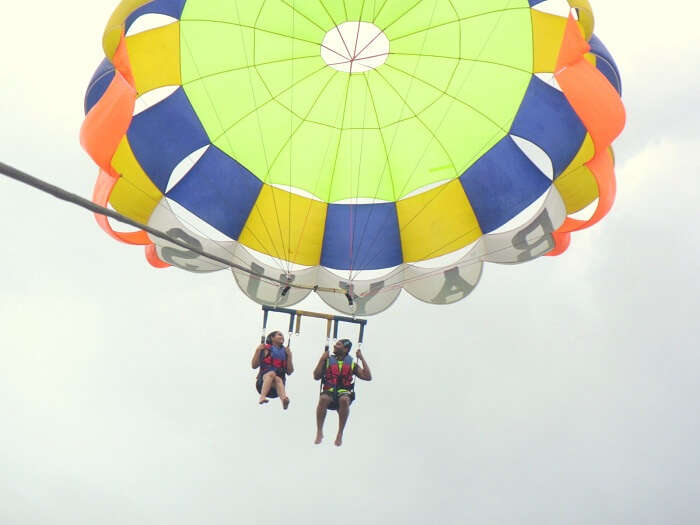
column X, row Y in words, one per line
column 332, row 320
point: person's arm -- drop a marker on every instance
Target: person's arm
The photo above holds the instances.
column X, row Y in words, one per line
column 318, row 371
column 290, row 365
column 363, row 372
column 255, row 363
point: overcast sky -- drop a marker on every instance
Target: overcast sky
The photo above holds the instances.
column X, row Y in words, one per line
column 562, row 391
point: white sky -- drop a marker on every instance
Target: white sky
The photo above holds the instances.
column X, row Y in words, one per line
column 562, row 391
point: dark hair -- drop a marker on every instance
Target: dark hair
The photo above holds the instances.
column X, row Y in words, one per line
column 347, row 344
column 268, row 340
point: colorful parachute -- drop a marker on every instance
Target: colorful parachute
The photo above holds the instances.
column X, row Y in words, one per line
column 367, row 146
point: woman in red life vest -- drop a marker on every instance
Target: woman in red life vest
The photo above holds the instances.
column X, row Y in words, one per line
column 337, row 374
column 275, row 362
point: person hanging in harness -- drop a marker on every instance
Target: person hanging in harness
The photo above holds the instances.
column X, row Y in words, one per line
column 275, row 363
column 337, row 373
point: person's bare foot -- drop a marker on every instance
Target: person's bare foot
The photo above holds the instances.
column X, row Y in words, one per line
column 285, row 403
column 319, row 438
column 263, row 400
column 339, row 440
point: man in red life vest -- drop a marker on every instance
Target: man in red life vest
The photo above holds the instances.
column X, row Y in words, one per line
column 275, row 362
column 337, row 375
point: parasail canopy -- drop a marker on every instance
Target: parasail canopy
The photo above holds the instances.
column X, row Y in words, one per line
column 364, row 146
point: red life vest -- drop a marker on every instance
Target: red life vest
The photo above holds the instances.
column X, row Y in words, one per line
column 337, row 377
column 269, row 363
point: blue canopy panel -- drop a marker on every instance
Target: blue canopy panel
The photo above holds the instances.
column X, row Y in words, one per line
column 99, row 83
column 164, row 134
column 361, row 237
column 547, row 119
column 606, row 63
column 218, row 190
column 162, row 7
column 502, row 183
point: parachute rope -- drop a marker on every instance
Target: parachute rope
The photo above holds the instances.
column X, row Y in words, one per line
column 279, row 260
column 72, row 198
column 64, row 195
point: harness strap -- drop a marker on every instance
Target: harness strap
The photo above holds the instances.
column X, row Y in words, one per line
column 262, row 362
column 336, row 388
column 323, row 376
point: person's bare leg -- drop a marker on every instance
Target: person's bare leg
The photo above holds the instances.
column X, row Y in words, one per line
column 281, row 392
column 321, row 411
column 266, row 385
column 343, row 413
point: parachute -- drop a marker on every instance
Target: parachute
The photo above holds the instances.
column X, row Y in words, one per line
column 353, row 148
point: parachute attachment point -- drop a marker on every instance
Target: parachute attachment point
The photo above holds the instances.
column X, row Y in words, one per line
column 332, row 320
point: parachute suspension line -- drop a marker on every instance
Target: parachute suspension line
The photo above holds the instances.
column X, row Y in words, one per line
column 380, row 251
column 264, row 328
column 345, row 103
column 425, row 150
column 282, row 293
column 285, row 291
column 413, row 77
column 287, row 247
column 328, row 149
column 353, row 214
column 223, row 128
column 400, row 117
column 348, row 95
column 385, row 170
column 297, row 328
column 460, row 264
column 280, row 260
column 360, row 337
column 277, row 260
column 262, row 135
column 291, row 328
column 291, row 150
column 86, row 204
column 351, row 157
column 161, row 203
column 292, row 315
column 319, row 176
column 329, row 323
column 289, row 142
